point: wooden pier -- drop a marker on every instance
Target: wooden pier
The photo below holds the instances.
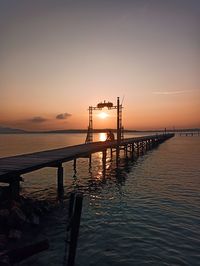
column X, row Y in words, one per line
column 189, row 134
column 12, row 168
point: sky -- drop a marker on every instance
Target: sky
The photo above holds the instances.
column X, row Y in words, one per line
column 57, row 58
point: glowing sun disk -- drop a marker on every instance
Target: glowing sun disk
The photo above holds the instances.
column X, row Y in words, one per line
column 103, row 115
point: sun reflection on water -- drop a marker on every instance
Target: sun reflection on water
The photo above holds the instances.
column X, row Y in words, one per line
column 102, row 136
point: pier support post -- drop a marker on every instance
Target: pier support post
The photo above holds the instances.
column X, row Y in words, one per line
column 151, row 144
column 143, row 147
column 125, row 152
column 60, row 180
column 75, row 217
column 147, row 145
column 74, row 165
column 90, row 161
column 117, row 156
column 104, row 162
column 132, row 151
column 15, row 187
column 138, row 148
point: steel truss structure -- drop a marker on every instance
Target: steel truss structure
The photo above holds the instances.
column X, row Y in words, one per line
column 109, row 106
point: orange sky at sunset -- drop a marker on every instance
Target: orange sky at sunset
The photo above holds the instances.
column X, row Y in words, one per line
column 59, row 57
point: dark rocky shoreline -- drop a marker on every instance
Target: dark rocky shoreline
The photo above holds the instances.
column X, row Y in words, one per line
column 18, row 217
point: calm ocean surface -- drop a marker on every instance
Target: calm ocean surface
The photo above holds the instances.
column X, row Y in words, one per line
column 146, row 213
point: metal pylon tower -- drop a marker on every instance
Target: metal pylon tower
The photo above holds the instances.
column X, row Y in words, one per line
column 110, row 106
column 89, row 137
column 120, row 123
column 120, row 129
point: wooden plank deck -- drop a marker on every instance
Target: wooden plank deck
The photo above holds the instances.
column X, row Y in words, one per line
column 17, row 165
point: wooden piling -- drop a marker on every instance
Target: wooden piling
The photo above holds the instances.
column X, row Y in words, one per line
column 138, row 148
column 117, row 155
column 132, row 151
column 60, row 179
column 77, row 200
column 126, row 151
column 104, row 153
column 90, row 161
column 74, row 165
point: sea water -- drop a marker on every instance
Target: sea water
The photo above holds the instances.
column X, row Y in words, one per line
column 147, row 212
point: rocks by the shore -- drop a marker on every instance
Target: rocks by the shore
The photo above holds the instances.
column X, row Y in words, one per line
column 16, row 217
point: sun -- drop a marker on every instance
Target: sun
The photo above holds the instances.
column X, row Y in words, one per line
column 103, row 115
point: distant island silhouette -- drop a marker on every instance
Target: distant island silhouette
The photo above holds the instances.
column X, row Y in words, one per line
column 5, row 130
column 8, row 130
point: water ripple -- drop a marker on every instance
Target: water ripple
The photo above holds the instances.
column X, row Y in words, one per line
column 145, row 213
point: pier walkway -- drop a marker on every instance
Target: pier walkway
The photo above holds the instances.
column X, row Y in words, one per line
column 11, row 168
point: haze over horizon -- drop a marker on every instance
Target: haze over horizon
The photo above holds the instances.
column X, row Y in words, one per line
column 59, row 57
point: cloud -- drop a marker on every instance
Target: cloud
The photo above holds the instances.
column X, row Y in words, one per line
column 169, row 92
column 63, row 116
column 38, row 119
